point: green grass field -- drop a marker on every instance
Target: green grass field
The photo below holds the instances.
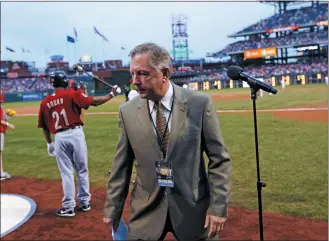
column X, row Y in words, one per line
column 293, row 154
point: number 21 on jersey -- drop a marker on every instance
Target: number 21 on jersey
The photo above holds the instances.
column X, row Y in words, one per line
column 57, row 117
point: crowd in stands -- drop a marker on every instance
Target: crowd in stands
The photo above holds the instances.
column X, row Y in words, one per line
column 261, row 71
column 292, row 39
column 305, row 15
column 293, row 17
column 276, row 69
column 13, row 85
column 193, row 72
column 203, row 77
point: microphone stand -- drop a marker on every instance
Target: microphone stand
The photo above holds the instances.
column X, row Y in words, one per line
column 260, row 184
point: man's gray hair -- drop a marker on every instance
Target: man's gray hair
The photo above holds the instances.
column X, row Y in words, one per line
column 160, row 58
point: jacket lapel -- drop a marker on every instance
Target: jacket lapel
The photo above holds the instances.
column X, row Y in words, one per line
column 179, row 115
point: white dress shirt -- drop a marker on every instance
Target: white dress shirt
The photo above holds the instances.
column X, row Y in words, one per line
column 166, row 102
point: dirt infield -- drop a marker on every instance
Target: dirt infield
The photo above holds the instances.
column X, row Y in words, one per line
column 44, row 225
column 27, row 110
column 316, row 116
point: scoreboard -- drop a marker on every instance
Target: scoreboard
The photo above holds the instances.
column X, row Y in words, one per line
column 301, row 78
column 218, row 84
column 205, row 85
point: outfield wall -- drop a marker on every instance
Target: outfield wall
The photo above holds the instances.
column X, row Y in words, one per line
column 25, row 96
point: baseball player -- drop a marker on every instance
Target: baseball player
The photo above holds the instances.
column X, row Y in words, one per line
column 130, row 91
column 59, row 114
column 3, row 127
column 132, row 94
column 283, row 84
column 126, row 91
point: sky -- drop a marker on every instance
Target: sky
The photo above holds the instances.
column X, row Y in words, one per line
column 43, row 26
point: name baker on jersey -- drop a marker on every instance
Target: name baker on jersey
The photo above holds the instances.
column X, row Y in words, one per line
column 56, row 102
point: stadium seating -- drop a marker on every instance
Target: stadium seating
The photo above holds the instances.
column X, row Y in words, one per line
column 262, row 71
column 288, row 40
column 301, row 16
column 13, row 85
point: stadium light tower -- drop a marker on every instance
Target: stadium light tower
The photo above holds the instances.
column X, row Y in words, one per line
column 281, row 6
column 180, row 37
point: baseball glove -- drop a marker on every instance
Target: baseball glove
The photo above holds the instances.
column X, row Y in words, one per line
column 10, row 112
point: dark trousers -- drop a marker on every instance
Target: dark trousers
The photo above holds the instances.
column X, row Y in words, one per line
column 167, row 228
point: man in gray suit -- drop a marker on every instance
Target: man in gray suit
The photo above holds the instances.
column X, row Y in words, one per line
column 166, row 130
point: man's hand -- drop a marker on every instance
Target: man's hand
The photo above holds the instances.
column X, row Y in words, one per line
column 115, row 91
column 11, row 126
column 111, row 223
column 51, row 149
column 216, row 225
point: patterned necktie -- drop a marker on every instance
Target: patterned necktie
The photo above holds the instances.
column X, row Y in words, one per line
column 161, row 125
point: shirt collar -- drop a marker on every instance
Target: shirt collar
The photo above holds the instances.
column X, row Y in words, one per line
column 166, row 100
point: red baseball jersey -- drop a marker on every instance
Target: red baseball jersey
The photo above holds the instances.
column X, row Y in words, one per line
column 62, row 109
column 3, row 128
column 79, row 90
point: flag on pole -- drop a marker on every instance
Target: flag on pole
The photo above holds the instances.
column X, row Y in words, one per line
column 75, row 34
column 70, row 39
column 97, row 32
column 9, row 49
column 25, row 50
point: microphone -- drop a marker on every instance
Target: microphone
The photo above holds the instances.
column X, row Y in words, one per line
column 236, row 73
column 77, row 68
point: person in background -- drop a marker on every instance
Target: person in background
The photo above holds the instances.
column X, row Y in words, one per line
column 60, row 115
column 132, row 93
column 126, row 90
column 3, row 128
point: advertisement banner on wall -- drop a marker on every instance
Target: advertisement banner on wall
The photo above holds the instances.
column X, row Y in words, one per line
column 32, row 96
column 288, row 28
column 113, row 64
column 12, row 75
column 259, row 53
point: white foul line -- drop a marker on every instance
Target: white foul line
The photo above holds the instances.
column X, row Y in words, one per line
column 218, row 111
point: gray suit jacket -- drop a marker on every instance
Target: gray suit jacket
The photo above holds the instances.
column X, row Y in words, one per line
column 195, row 129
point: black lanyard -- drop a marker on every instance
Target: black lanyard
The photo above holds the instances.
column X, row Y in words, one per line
column 160, row 141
